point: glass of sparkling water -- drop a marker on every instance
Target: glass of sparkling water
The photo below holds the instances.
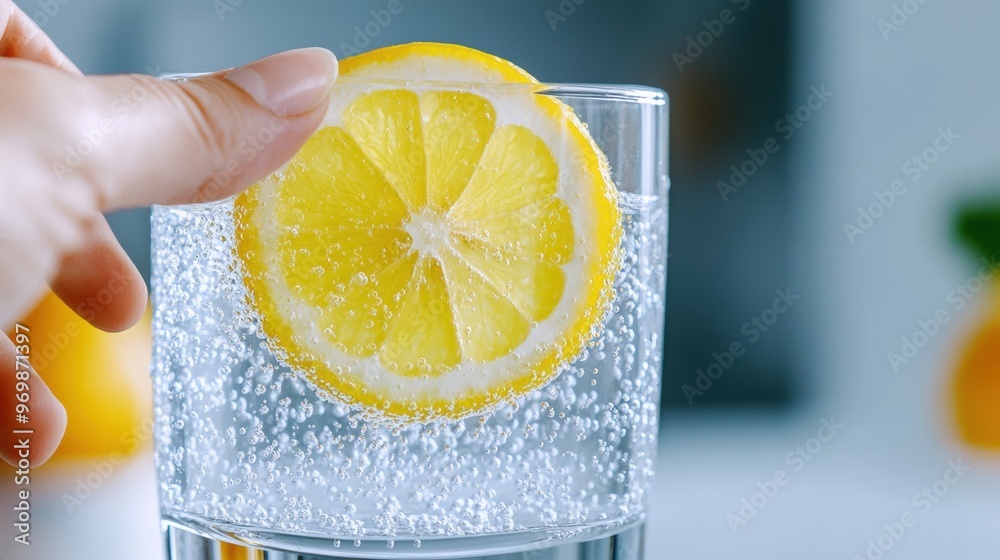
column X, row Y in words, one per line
column 255, row 462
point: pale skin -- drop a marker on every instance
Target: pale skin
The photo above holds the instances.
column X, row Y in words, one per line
column 72, row 147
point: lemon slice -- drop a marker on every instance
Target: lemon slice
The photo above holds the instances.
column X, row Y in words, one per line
column 433, row 251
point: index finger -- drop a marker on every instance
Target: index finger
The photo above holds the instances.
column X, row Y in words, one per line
column 21, row 37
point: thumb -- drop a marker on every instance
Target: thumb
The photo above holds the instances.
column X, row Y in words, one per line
column 174, row 142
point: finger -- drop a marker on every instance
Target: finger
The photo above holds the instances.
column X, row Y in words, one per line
column 40, row 223
column 20, row 37
column 45, row 415
column 99, row 282
column 206, row 138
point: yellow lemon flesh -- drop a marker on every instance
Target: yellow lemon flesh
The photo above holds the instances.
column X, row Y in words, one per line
column 434, row 249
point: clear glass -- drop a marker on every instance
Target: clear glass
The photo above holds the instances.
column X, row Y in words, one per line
column 250, row 456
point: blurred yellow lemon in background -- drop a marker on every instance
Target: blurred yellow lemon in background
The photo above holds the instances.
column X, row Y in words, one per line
column 101, row 378
column 976, row 387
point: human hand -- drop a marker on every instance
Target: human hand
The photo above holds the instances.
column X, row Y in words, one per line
column 72, row 147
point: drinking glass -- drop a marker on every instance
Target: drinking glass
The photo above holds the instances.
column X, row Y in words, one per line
column 255, row 462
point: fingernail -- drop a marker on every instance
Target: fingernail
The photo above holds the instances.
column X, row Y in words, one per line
column 288, row 83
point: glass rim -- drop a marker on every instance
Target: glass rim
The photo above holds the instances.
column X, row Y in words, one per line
column 634, row 93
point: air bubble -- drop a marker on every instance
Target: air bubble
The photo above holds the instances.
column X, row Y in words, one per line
column 262, row 445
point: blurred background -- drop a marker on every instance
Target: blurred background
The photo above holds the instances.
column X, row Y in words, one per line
column 834, row 209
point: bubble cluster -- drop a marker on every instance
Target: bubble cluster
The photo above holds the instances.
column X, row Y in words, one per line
column 244, row 441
